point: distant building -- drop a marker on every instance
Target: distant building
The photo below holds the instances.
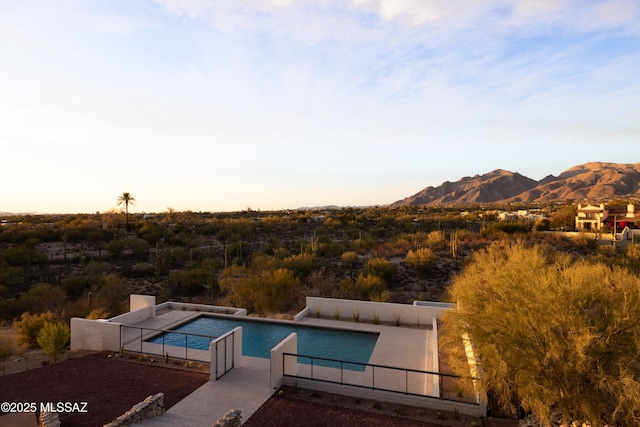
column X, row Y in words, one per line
column 525, row 215
column 595, row 218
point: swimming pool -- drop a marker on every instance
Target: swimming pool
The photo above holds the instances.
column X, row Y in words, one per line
column 259, row 337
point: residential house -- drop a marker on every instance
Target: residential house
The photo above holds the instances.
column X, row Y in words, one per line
column 594, row 218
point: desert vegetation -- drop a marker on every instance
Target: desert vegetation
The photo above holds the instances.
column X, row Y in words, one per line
column 56, row 267
column 557, row 335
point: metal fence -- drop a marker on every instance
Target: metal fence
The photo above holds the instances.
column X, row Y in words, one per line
column 162, row 342
column 380, row 377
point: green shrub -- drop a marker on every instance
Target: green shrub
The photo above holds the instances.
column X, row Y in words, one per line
column 53, row 338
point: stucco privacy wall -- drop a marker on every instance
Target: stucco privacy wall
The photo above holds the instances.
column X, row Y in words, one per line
column 104, row 335
column 368, row 310
column 136, row 302
column 287, row 345
column 95, row 335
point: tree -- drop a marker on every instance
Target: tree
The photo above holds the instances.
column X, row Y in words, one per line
column 559, row 334
column 126, row 199
column 28, row 327
column 53, row 338
column 564, row 217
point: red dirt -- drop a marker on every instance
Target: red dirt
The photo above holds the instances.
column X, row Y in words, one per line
column 285, row 412
column 110, row 387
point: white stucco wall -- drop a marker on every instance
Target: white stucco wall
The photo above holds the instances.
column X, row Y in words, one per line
column 95, row 335
column 287, row 345
column 368, row 310
column 136, row 302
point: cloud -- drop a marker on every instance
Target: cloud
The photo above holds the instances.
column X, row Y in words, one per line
column 450, row 15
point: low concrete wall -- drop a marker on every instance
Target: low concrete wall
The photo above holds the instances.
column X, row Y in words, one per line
column 136, row 316
column 435, row 358
column 95, row 335
column 205, row 308
column 384, row 396
column 301, row 315
column 287, row 345
column 369, row 311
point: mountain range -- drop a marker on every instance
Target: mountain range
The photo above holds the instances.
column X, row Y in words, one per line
column 595, row 180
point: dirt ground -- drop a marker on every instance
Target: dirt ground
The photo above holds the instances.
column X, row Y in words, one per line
column 306, row 408
column 110, row 386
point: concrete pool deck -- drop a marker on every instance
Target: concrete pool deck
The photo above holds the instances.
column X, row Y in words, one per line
column 247, row 387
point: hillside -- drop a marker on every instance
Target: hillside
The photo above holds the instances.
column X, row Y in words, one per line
column 588, row 181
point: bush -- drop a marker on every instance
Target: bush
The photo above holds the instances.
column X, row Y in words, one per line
column 556, row 333
column 421, row 260
column 28, row 327
column 382, row 268
column 53, row 338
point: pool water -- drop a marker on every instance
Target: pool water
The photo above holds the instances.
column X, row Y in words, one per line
column 259, row 337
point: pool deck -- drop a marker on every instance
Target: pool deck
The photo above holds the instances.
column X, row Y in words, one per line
column 247, row 387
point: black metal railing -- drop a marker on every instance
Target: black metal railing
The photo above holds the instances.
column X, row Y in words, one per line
column 137, row 339
column 406, row 381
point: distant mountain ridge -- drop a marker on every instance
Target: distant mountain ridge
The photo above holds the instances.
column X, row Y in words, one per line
column 593, row 180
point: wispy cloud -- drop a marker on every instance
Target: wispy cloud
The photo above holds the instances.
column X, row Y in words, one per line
column 336, row 91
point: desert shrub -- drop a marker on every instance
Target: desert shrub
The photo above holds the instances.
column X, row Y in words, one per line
column 22, row 256
column 53, row 338
column 349, row 258
column 115, row 247
column 261, row 289
column 43, row 297
column 139, row 248
column 421, row 260
column 364, row 287
column 435, row 239
column 556, row 333
column 192, row 281
column 74, row 286
column 28, row 327
column 278, row 290
column 382, row 268
column 98, row 313
column 7, row 346
column 370, row 286
column 301, row 265
column 111, row 293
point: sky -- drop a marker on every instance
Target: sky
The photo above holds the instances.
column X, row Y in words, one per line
column 226, row 105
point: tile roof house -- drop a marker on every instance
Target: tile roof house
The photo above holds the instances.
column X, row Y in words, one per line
column 595, row 218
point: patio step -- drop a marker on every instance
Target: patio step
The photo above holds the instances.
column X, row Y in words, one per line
column 174, row 420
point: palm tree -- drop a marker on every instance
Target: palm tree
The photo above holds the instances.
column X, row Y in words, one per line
column 126, row 199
